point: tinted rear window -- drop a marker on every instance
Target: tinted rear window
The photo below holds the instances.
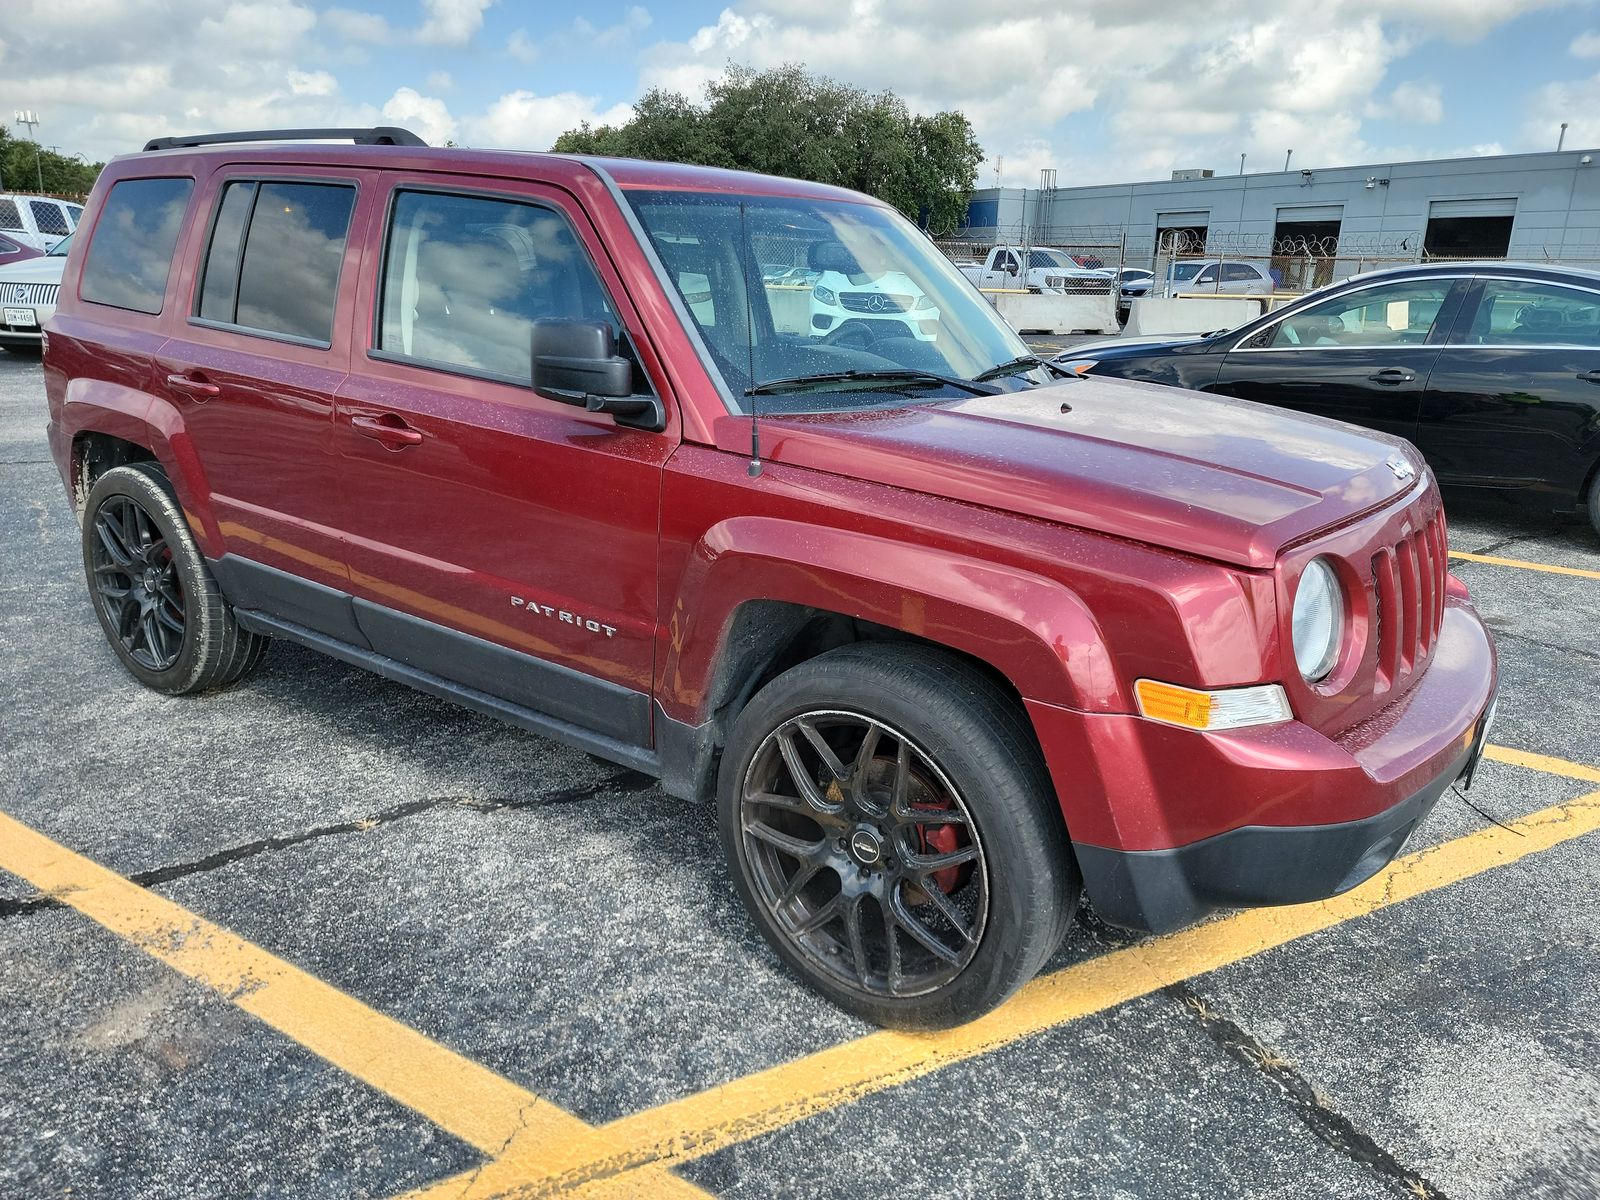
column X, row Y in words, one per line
column 10, row 218
column 130, row 255
column 292, row 254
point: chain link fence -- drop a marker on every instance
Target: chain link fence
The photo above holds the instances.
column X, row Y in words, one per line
column 1285, row 263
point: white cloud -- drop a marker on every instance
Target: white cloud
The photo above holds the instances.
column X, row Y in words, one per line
column 1586, row 45
column 349, row 25
column 425, row 116
column 452, row 22
column 521, row 47
column 1421, row 102
column 440, row 81
column 1575, row 101
column 634, row 22
column 312, row 83
column 522, row 120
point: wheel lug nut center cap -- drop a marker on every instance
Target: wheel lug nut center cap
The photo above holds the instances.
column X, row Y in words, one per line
column 866, row 846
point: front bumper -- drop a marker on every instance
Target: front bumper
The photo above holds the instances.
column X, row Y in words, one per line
column 1169, row 824
column 1255, row 865
column 24, row 337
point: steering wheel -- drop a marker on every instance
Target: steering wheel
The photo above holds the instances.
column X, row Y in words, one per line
column 852, row 332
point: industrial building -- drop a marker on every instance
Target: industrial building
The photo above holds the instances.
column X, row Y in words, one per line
column 1543, row 206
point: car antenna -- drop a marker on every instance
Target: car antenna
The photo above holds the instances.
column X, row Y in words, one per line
column 750, row 345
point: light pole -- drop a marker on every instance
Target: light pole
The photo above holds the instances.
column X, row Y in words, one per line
column 31, row 119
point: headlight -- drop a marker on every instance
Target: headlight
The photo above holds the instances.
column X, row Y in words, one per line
column 923, row 304
column 1318, row 620
column 824, row 294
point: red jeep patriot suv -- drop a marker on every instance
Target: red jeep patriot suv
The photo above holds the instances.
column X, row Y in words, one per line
column 948, row 633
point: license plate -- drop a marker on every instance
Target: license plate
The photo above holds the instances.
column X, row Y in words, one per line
column 22, row 316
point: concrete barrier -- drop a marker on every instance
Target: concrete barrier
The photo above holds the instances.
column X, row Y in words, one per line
column 1040, row 312
column 790, row 306
column 1152, row 315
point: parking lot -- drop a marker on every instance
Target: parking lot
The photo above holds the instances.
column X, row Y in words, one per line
column 323, row 936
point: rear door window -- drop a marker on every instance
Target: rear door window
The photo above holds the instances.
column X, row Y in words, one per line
column 274, row 259
column 130, row 255
column 50, row 218
column 1520, row 313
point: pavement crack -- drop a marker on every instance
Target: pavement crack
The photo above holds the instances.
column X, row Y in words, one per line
column 1314, row 1109
column 1502, row 634
column 626, row 782
column 1501, row 544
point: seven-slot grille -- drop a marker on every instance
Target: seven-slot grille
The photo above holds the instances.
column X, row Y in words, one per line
column 1408, row 582
column 883, row 302
column 1087, row 284
column 28, row 293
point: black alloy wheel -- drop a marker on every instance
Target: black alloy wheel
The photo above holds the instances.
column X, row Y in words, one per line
column 153, row 592
column 864, row 854
column 136, row 584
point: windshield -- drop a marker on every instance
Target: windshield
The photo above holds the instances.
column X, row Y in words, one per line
column 864, row 291
column 59, row 250
column 1184, row 270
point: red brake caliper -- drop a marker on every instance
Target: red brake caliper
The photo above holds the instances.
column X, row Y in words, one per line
column 940, row 839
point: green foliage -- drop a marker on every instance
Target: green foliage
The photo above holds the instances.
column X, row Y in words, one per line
column 22, row 164
column 788, row 122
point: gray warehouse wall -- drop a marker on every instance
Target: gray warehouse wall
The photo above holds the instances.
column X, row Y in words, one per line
column 1557, row 205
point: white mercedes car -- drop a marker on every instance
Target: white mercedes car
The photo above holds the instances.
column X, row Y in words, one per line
column 28, row 298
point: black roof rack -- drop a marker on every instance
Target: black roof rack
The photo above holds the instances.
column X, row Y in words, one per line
column 380, row 135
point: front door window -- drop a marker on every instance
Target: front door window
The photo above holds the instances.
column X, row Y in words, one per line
column 1394, row 314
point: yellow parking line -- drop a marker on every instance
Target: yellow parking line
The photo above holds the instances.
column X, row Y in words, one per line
column 480, row 1107
column 1542, row 763
column 1526, row 566
column 687, row 1129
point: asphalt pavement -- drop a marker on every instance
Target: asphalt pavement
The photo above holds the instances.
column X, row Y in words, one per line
column 350, row 940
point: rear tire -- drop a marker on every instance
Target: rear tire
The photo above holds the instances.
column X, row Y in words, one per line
column 158, row 603
column 892, row 829
column 1593, row 505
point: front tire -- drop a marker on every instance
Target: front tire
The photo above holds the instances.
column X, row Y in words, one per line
column 158, row 603
column 891, row 827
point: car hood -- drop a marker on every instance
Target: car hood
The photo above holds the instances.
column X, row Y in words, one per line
column 34, row 270
column 1225, row 479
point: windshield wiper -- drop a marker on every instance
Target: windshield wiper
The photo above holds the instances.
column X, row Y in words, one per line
column 1024, row 362
column 801, row 382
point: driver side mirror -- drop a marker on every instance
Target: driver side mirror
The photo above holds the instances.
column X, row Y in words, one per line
column 576, row 362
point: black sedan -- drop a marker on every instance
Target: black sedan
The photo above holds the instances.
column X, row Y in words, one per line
column 1492, row 369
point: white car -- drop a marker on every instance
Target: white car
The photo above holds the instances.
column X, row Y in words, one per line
column 38, row 221
column 837, row 298
column 1217, row 277
column 28, row 298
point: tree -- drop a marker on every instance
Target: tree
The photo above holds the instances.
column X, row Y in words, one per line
column 20, row 170
column 786, row 121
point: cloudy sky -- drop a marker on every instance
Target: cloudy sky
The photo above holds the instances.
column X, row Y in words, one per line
column 1102, row 90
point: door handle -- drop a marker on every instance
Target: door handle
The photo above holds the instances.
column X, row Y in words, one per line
column 194, row 386
column 388, row 429
column 1393, row 375
column 1589, row 376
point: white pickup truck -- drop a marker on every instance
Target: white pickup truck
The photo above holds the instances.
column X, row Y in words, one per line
column 1046, row 270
